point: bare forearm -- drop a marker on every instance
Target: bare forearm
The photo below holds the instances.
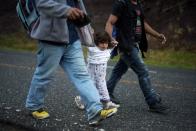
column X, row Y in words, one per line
column 154, row 33
column 150, row 30
column 109, row 25
column 109, row 28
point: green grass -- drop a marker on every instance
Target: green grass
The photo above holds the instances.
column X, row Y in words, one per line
column 161, row 58
column 17, row 41
column 171, row 58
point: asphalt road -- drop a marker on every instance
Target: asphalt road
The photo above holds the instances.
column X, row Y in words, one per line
column 176, row 86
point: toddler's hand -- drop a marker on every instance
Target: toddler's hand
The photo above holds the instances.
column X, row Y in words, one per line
column 114, row 42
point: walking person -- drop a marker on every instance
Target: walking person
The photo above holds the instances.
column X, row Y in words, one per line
column 97, row 59
column 58, row 44
column 128, row 18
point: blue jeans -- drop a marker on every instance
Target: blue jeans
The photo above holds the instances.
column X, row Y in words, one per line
column 71, row 59
column 134, row 61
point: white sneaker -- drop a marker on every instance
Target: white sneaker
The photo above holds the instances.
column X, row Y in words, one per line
column 79, row 103
column 110, row 105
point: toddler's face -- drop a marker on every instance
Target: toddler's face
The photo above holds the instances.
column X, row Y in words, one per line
column 103, row 45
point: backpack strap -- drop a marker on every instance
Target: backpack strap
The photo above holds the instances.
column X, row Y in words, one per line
column 27, row 13
column 34, row 5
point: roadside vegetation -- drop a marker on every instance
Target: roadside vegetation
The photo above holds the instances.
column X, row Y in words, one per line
column 18, row 41
column 161, row 58
column 170, row 59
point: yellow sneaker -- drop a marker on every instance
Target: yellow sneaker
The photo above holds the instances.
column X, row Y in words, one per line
column 108, row 112
column 40, row 114
column 103, row 114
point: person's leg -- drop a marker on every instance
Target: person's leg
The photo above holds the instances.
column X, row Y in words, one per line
column 134, row 60
column 91, row 70
column 73, row 63
column 100, row 74
column 48, row 58
column 119, row 69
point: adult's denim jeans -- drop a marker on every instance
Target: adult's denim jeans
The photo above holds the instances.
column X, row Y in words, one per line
column 134, row 61
column 71, row 59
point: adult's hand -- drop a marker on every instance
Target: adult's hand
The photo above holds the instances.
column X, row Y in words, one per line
column 75, row 13
column 162, row 38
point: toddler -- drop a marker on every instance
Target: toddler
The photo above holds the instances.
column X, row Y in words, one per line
column 97, row 59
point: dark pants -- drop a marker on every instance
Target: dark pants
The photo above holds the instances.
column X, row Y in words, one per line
column 135, row 62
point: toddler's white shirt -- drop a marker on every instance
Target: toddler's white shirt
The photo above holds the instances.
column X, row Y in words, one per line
column 97, row 56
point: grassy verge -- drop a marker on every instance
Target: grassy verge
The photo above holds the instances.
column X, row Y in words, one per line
column 171, row 58
column 18, row 42
column 162, row 58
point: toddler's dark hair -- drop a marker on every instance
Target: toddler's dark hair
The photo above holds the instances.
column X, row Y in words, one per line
column 101, row 37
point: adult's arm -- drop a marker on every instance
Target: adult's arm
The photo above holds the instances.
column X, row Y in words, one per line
column 154, row 33
column 56, row 9
column 109, row 25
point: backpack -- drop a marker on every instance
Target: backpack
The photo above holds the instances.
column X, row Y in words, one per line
column 27, row 13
